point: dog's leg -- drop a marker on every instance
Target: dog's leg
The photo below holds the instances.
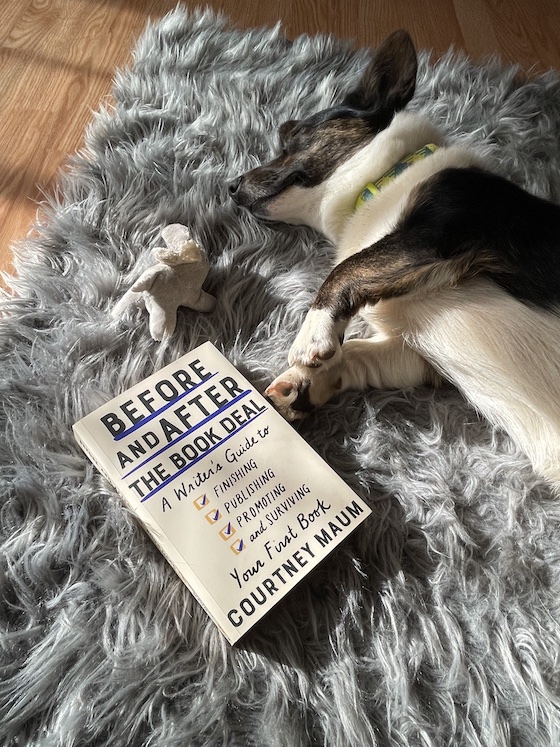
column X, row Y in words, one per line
column 395, row 266
column 362, row 364
column 503, row 355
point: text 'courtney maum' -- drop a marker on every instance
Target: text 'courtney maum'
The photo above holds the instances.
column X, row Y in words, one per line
column 169, row 427
column 277, row 575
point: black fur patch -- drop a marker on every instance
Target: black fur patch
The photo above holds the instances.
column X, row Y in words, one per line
column 471, row 210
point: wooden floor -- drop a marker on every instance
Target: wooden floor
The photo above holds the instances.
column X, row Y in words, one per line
column 57, row 59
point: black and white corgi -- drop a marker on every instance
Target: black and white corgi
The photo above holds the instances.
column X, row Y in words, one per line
column 456, row 270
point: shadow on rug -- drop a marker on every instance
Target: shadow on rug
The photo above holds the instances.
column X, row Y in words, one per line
column 438, row 623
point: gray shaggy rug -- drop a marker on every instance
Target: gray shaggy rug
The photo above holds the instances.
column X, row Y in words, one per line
column 438, row 622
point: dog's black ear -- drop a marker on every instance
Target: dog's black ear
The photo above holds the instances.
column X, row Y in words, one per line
column 389, row 80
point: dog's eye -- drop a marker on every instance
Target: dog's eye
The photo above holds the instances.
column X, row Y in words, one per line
column 284, row 147
column 296, row 178
column 285, row 134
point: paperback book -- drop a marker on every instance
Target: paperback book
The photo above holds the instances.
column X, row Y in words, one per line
column 236, row 500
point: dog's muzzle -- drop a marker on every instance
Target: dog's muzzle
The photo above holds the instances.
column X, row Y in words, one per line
column 243, row 194
column 233, row 187
column 240, row 195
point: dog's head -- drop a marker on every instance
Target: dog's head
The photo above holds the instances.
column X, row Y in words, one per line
column 313, row 148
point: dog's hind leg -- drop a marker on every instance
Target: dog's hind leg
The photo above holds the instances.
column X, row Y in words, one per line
column 362, row 364
column 503, row 355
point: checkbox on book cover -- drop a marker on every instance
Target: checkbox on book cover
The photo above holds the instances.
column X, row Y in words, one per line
column 213, row 516
column 238, row 546
column 228, row 531
column 201, row 502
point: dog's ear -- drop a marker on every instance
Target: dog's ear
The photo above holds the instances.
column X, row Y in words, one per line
column 389, row 80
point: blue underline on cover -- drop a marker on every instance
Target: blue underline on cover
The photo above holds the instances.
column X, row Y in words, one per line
column 202, row 456
column 188, row 433
column 154, row 414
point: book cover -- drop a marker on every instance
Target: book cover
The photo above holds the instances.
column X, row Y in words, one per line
column 240, row 505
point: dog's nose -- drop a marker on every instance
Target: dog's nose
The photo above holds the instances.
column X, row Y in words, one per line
column 234, row 185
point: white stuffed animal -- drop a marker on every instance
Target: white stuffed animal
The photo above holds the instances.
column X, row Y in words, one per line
column 176, row 280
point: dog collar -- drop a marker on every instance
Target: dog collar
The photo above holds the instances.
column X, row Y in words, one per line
column 373, row 188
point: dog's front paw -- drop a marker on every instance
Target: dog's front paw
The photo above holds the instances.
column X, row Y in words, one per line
column 317, row 343
column 289, row 393
column 300, row 390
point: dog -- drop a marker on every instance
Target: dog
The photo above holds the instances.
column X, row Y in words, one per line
column 455, row 269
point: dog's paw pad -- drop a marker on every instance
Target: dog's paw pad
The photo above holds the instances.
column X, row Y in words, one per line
column 313, row 356
column 281, row 391
column 326, row 355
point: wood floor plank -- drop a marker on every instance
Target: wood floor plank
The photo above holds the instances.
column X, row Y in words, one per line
column 519, row 31
column 10, row 12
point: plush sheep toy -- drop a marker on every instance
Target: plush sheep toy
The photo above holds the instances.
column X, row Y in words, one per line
column 176, row 280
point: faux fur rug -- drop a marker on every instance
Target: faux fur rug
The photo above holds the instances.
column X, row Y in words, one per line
column 439, row 622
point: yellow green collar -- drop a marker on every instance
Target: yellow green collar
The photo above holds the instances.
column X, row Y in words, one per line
column 373, row 188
